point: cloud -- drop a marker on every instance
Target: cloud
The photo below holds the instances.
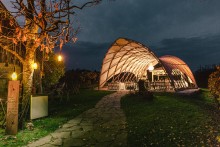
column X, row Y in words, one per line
column 85, row 55
column 194, row 51
column 150, row 21
column 188, row 29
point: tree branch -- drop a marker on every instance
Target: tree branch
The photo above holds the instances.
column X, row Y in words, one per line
column 94, row 2
column 4, row 47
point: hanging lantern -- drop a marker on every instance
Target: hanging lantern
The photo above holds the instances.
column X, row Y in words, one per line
column 14, row 76
column 59, row 58
column 34, row 65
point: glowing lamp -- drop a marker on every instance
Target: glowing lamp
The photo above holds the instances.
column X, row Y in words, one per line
column 151, row 67
column 34, row 65
column 14, row 76
column 60, row 58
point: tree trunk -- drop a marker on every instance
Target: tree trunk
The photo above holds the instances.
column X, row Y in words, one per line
column 27, row 81
column 27, row 75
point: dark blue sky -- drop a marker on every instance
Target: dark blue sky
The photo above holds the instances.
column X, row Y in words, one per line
column 189, row 29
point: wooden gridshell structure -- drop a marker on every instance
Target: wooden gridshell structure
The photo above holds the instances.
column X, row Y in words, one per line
column 128, row 56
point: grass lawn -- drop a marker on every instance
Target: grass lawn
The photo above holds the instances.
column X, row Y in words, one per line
column 59, row 113
column 172, row 120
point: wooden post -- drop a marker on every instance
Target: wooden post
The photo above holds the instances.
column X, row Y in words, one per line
column 152, row 76
column 12, row 108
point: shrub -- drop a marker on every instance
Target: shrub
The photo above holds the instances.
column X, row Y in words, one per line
column 143, row 91
column 214, row 85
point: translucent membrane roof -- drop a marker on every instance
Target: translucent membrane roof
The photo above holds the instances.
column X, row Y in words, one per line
column 128, row 56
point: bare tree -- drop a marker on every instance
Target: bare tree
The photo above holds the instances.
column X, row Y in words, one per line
column 47, row 24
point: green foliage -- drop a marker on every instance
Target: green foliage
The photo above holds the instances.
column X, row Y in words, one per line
column 80, row 78
column 171, row 120
column 214, row 85
column 202, row 75
column 53, row 71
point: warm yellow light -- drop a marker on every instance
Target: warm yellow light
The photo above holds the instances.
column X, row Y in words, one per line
column 34, row 65
column 60, row 58
column 14, row 76
column 151, row 67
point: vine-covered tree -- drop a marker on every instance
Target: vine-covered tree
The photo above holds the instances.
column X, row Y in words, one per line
column 214, row 85
column 44, row 24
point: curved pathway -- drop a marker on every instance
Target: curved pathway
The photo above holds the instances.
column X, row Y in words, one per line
column 104, row 125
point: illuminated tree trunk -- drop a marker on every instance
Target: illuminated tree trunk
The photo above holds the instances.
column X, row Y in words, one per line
column 27, row 81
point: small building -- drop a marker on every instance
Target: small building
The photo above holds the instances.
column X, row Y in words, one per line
column 127, row 61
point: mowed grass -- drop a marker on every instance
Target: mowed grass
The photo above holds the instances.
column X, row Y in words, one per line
column 59, row 113
column 172, row 120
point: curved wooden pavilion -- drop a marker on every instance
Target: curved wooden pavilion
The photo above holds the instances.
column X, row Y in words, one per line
column 128, row 61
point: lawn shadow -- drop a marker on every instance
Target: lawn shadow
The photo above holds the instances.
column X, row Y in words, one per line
column 170, row 119
column 204, row 100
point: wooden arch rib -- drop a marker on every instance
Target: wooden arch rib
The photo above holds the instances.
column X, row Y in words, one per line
column 125, row 56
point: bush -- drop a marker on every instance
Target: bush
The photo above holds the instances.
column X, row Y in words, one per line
column 147, row 95
column 214, row 85
column 53, row 70
column 143, row 92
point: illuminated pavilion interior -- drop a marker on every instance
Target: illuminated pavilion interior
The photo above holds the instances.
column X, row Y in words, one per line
column 127, row 61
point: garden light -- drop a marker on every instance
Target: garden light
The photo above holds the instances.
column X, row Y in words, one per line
column 151, row 67
column 34, row 65
column 60, row 58
column 14, row 76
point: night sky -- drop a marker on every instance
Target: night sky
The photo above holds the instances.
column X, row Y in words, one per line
column 189, row 29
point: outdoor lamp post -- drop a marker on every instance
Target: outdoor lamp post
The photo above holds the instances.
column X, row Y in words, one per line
column 151, row 68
